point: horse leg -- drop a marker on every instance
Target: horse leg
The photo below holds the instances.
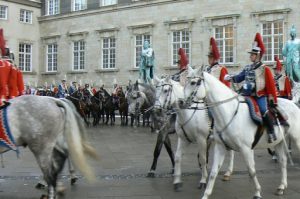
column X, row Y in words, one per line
column 219, row 155
column 229, row 170
column 168, row 147
column 74, row 178
column 178, row 160
column 248, row 156
column 280, row 151
column 132, row 119
column 202, row 146
column 51, row 168
column 158, row 147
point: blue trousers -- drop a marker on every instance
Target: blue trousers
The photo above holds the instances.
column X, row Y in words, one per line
column 262, row 103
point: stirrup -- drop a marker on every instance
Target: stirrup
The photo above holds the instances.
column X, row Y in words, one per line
column 272, row 137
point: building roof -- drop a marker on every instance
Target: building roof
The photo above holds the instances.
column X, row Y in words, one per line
column 32, row 3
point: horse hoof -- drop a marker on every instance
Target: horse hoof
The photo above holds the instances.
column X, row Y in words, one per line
column 202, row 185
column 73, row 180
column 226, row 178
column 172, row 171
column 151, row 174
column 178, row 186
column 44, row 196
column 257, row 197
column 280, row 192
column 40, row 186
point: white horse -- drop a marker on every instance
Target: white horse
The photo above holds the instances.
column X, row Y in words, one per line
column 235, row 128
column 192, row 126
column 53, row 131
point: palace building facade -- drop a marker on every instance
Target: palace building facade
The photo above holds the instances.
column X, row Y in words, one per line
column 100, row 41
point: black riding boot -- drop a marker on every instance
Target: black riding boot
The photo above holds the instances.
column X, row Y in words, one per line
column 270, row 127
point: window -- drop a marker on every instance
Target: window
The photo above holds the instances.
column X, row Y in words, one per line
column 78, row 55
column 3, row 12
column 272, row 33
column 25, row 57
column 79, row 5
column 26, row 16
column 180, row 39
column 51, row 57
column 139, row 42
column 224, row 39
column 52, row 7
column 109, row 53
column 108, row 2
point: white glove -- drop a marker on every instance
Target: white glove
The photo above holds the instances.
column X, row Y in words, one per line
column 227, row 77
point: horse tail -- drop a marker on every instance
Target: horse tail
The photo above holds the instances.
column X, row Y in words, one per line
column 75, row 134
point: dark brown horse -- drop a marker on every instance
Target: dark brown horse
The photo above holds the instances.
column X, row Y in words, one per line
column 77, row 99
column 123, row 107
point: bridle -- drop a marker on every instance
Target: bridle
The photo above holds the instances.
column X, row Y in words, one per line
column 207, row 105
column 167, row 102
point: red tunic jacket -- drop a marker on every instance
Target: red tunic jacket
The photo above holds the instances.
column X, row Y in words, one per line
column 5, row 68
column 21, row 88
column 13, row 83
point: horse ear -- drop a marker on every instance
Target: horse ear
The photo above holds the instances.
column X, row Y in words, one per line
column 156, row 80
column 191, row 72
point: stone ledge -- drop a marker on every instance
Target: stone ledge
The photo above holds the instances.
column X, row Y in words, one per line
column 171, row 68
column 77, row 72
column 50, row 73
column 29, row 73
column 134, row 69
column 109, row 70
column 231, row 65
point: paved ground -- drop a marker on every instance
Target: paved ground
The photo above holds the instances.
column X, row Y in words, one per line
column 126, row 155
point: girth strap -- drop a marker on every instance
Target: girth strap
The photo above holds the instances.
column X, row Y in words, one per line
column 185, row 135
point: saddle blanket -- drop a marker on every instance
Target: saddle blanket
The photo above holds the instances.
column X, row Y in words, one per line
column 254, row 110
column 6, row 138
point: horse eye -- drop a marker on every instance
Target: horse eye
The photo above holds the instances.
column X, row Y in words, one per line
column 193, row 83
column 166, row 90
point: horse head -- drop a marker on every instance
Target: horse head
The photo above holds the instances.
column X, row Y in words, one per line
column 194, row 89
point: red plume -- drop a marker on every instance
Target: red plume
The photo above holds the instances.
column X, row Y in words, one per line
column 260, row 44
column 183, row 59
column 2, row 41
column 278, row 64
column 214, row 51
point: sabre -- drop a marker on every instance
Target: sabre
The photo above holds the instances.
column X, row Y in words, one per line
column 284, row 142
column 2, row 161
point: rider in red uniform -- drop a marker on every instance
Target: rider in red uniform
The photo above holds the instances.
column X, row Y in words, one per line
column 283, row 83
column 5, row 68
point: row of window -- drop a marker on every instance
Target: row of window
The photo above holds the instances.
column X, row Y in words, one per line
column 272, row 33
column 25, row 15
column 53, row 6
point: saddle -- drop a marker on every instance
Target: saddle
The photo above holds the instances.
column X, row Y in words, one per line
column 276, row 113
column 278, row 116
column 6, row 138
column 6, row 104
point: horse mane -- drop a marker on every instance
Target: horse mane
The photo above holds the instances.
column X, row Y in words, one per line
column 218, row 86
column 149, row 92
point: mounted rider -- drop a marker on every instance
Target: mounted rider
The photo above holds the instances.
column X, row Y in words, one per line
column 73, row 88
column 259, row 83
column 87, row 93
column 62, row 89
column 182, row 64
column 283, row 83
column 11, row 79
column 214, row 68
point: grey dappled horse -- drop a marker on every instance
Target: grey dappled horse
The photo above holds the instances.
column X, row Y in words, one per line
column 52, row 130
column 144, row 95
